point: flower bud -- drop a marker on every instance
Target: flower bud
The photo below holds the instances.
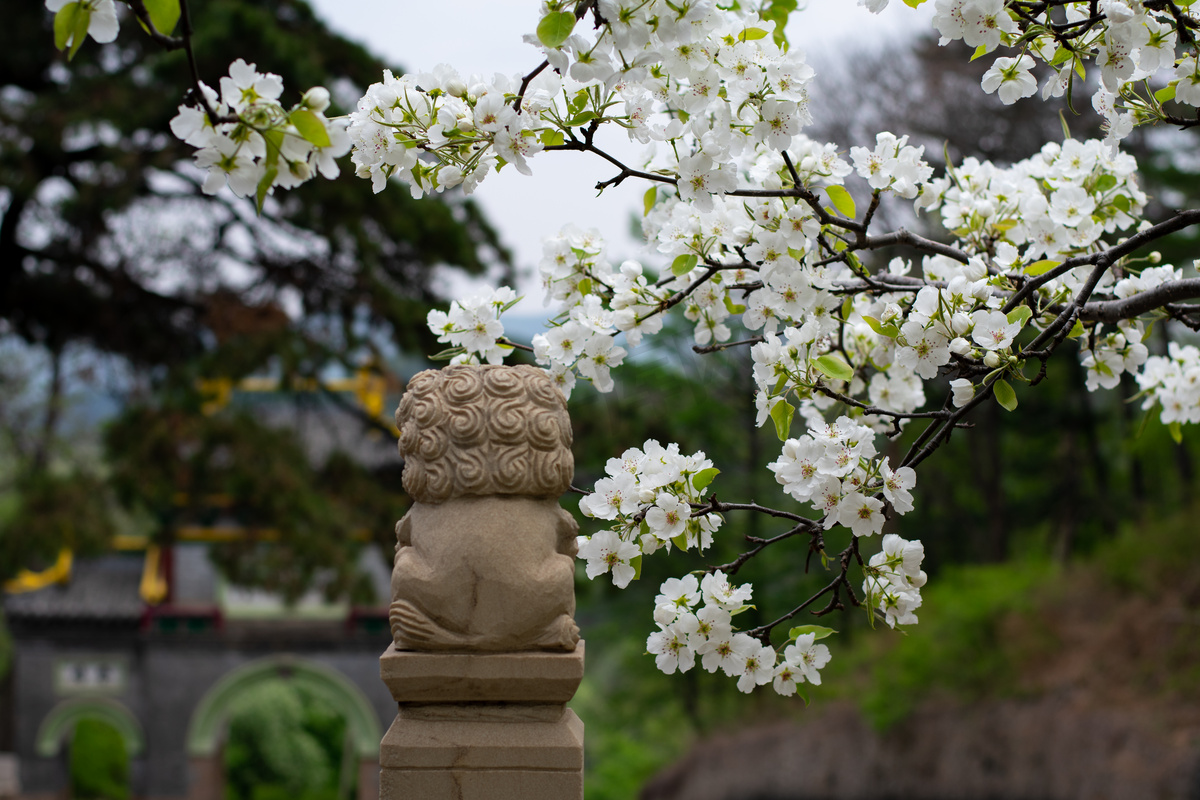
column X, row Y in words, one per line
column 991, row 360
column 316, row 99
column 960, row 346
column 960, row 323
column 962, row 390
column 1155, row 257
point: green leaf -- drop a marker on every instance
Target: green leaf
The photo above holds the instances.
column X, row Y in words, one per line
column 636, row 563
column 818, row 631
column 1041, row 267
column 1166, row 93
column 310, row 127
column 847, row 307
column 79, row 29
column 889, row 330
column 680, row 541
column 781, row 415
column 581, row 119
column 1105, row 183
column 750, row 34
column 740, row 610
column 834, row 367
column 554, row 28
column 1060, row 56
column 1121, row 202
column 264, row 186
column 842, row 201
column 1005, row 395
column 734, row 308
column 649, row 199
column 982, row 50
column 1176, row 432
column 64, row 23
column 164, row 14
column 1020, row 314
column 447, row 354
column 552, row 138
column 910, row 4
column 684, row 264
column 584, row 286
column 1077, row 330
column 704, row 477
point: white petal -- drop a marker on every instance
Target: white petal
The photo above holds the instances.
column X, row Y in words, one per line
column 103, row 25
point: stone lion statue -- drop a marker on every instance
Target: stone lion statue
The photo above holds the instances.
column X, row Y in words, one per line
column 485, row 556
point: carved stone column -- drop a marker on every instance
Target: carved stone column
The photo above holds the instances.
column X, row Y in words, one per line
column 485, row 651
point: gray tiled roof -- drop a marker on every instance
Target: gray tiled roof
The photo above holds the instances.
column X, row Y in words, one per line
column 104, row 588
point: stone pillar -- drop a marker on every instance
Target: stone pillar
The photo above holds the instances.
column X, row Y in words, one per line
column 485, row 651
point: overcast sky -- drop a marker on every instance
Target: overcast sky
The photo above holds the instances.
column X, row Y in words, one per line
column 484, row 36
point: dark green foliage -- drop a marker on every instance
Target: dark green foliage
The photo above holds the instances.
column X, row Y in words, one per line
column 285, row 742
column 99, row 767
column 959, row 647
column 318, row 516
column 51, row 512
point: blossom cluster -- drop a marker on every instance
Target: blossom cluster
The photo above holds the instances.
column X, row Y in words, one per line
column 262, row 145
column 1173, row 381
column 647, row 498
column 1105, row 356
column 1132, row 42
column 695, row 619
column 466, row 127
column 1054, row 204
column 894, row 579
column 472, row 327
column 714, row 80
column 833, row 467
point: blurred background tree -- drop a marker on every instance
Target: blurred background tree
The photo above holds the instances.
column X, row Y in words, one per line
column 115, row 268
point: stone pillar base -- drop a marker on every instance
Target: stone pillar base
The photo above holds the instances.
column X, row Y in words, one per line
column 480, row 785
column 484, row 752
column 482, row 727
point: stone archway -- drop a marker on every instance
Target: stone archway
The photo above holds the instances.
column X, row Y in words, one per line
column 61, row 721
column 209, row 720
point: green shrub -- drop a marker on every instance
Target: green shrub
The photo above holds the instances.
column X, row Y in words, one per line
column 284, row 744
column 958, row 646
column 99, row 764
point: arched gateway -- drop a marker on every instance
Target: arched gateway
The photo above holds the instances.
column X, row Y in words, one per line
column 166, row 677
column 206, row 729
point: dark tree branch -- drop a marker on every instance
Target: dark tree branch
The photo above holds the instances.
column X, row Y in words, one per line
column 1129, row 307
